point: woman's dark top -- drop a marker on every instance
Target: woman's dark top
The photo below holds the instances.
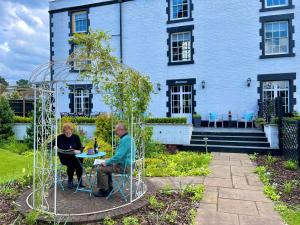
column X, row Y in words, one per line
column 66, row 143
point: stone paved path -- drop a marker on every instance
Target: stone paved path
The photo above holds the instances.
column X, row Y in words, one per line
column 234, row 194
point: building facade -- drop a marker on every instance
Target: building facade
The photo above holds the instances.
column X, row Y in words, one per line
column 202, row 56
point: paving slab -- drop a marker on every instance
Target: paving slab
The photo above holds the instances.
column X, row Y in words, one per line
column 237, row 206
column 218, row 182
column 259, row 220
column 210, row 197
column 235, row 196
column 243, row 195
column 266, row 209
column 220, row 171
column 241, row 171
column 208, row 206
column 207, row 217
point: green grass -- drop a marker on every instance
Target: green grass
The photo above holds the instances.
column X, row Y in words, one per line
column 14, row 166
column 290, row 216
column 180, row 164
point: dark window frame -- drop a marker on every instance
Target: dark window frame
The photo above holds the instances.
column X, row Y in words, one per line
column 71, row 12
column 173, row 30
column 275, row 18
column 179, row 82
column 266, row 9
column 291, row 77
column 72, row 88
column 168, row 11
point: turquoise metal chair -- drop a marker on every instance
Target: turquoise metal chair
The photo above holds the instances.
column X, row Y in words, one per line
column 248, row 117
column 213, row 118
column 120, row 182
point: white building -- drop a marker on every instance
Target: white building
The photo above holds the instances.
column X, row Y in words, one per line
column 203, row 56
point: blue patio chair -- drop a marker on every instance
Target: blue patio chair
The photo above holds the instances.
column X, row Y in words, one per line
column 120, row 181
column 248, row 117
column 213, row 118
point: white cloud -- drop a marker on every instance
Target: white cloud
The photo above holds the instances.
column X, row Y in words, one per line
column 5, row 47
column 24, row 37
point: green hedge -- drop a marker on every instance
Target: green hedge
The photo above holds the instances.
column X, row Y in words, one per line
column 20, row 119
column 175, row 120
column 79, row 120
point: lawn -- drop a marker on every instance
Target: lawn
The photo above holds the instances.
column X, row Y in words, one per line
column 14, row 166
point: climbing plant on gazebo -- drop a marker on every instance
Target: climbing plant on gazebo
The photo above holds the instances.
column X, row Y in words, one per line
column 124, row 89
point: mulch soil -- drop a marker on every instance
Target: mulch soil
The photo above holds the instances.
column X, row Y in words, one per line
column 8, row 212
column 279, row 176
column 174, row 202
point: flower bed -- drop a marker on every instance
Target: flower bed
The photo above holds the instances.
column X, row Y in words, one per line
column 282, row 184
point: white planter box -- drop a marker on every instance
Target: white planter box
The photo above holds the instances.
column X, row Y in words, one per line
column 177, row 134
column 88, row 129
column 271, row 131
column 19, row 130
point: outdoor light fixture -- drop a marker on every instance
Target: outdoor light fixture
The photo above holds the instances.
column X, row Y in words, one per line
column 203, row 84
column 62, row 90
column 158, row 86
column 248, row 82
column 97, row 89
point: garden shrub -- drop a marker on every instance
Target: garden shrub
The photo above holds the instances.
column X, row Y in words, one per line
column 180, row 164
column 290, row 165
column 21, row 119
column 130, row 220
column 15, row 146
column 78, row 119
column 104, row 127
column 174, row 120
column 6, row 119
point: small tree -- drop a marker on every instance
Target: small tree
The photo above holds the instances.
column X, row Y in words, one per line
column 6, row 119
column 124, row 89
column 3, row 85
column 22, row 83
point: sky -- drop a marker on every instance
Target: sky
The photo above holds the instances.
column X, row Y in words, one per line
column 24, row 37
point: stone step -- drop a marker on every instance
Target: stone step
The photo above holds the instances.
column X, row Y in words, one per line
column 231, row 143
column 231, row 149
column 233, row 138
column 231, row 134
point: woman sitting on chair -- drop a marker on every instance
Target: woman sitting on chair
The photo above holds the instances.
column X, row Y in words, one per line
column 68, row 145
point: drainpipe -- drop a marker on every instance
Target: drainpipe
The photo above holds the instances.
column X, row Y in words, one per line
column 121, row 31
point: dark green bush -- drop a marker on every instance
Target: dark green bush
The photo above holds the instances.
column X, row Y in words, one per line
column 175, row 120
column 79, row 119
column 21, row 119
column 6, row 119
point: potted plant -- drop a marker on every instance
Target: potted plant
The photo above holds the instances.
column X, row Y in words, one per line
column 197, row 120
column 259, row 122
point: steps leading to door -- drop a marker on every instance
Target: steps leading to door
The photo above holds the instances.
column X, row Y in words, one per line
column 230, row 141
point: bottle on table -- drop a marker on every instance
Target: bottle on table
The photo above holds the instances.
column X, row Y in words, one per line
column 96, row 146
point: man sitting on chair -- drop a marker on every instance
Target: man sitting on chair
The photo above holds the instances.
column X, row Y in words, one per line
column 116, row 164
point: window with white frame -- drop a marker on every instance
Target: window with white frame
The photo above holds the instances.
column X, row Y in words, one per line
column 180, row 9
column 275, row 3
column 79, row 22
column 276, row 37
column 181, row 47
column 274, row 89
column 81, row 101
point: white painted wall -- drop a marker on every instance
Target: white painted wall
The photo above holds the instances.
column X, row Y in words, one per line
column 226, row 49
column 271, row 131
column 178, row 134
column 19, row 130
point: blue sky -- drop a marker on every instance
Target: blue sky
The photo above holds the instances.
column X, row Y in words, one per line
column 24, row 37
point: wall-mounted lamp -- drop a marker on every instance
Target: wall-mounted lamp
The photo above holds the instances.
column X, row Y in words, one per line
column 62, row 90
column 248, row 82
column 158, row 86
column 203, row 84
column 97, row 89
